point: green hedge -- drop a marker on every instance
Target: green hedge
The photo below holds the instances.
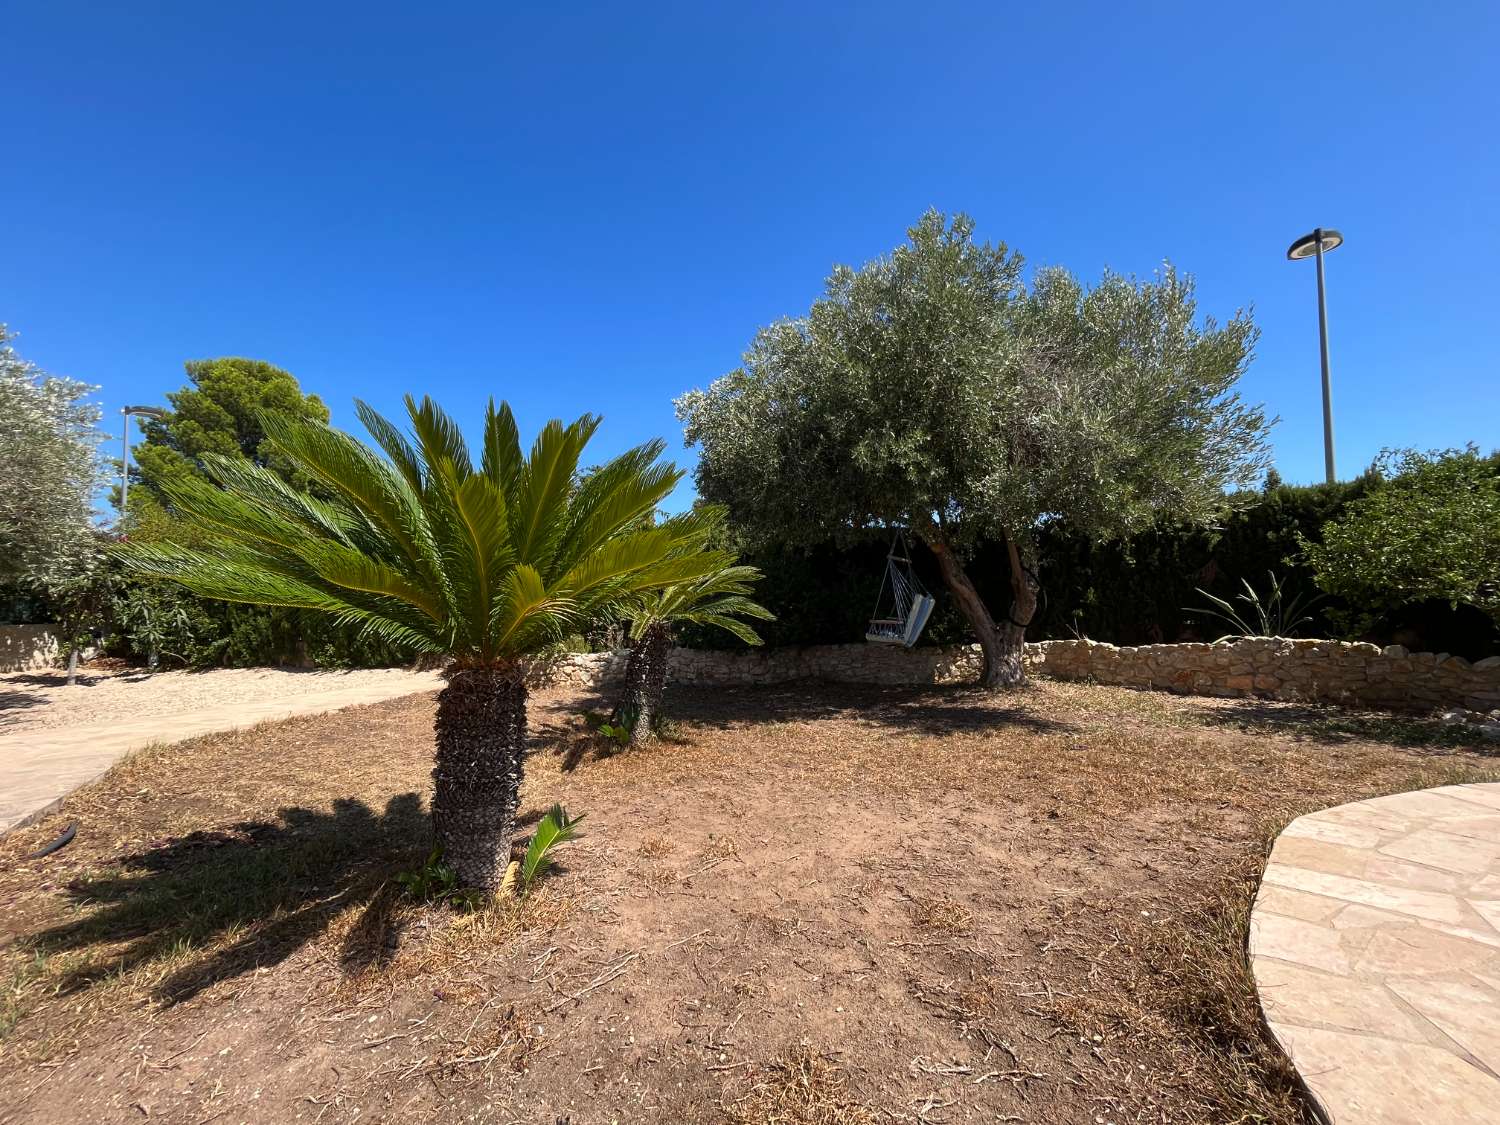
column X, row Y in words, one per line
column 1137, row 592
column 181, row 629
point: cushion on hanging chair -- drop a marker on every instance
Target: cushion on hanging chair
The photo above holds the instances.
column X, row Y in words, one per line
column 916, row 620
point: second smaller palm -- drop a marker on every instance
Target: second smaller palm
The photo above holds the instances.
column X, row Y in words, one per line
column 720, row 598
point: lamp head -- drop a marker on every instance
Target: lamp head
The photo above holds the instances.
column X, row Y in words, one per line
column 1307, row 245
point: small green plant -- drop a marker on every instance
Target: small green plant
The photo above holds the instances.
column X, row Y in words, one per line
column 1279, row 614
column 553, row 829
column 435, row 881
column 618, row 731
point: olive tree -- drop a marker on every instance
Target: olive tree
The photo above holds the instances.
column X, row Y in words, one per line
column 935, row 390
column 49, row 462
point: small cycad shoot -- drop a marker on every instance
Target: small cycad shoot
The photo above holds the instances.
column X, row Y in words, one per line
column 555, row 828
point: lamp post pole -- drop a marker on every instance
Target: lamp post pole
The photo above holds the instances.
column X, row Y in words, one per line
column 1314, row 245
column 125, row 413
column 1323, row 353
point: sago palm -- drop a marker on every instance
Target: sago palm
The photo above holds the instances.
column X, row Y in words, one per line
column 718, row 597
column 482, row 565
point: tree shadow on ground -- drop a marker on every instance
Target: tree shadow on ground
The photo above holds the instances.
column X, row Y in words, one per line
column 1334, row 726
column 927, row 710
column 930, row 710
column 12, row 703
column 272, row 886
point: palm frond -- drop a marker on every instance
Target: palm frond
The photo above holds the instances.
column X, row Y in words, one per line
column 415, row 547
column 546, row 480
column 394, row 442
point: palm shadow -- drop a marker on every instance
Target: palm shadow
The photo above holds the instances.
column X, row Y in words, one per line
column 1334, row 726
column 276, row 883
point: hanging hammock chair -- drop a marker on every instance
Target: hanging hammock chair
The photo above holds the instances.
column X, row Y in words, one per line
column 903, row 605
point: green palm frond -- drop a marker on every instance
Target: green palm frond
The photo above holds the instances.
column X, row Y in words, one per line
column 394, row 442
column 415, row 546
column 502, row 461
column 698, row 584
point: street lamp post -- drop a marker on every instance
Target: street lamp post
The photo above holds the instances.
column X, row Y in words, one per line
column 125, row 413
column 1309, row 246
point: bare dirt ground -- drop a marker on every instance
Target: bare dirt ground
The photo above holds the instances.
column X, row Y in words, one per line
column 104, row 691
column 827, row 904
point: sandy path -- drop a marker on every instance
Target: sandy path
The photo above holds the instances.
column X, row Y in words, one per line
column 39, row 700
column 54, row 738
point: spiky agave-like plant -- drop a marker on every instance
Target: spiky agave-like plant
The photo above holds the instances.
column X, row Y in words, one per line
column 484, row 566
column 720, row 597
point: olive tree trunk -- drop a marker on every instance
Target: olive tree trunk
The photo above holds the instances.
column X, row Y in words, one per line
column 1001, row 643
column 640, row 698
column 481, row 741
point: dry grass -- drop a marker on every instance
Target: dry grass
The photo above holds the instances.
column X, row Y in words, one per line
column 801, row 1089
column 1030, row 906
column 944, row 914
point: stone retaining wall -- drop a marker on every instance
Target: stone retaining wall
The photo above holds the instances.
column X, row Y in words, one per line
column 1308, row 670
column 24, row 647
column 1304, row 670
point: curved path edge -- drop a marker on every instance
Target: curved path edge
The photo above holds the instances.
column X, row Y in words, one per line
column 1375, row 946
column 39, row 768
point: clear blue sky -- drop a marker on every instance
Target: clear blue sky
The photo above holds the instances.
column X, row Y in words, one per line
column 593, row 208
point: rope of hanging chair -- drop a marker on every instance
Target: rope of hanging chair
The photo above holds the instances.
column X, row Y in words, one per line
column 903, row 585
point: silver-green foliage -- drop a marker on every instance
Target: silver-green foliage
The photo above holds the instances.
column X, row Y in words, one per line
column 49, row 470
column 486, row 563
column 935, row 389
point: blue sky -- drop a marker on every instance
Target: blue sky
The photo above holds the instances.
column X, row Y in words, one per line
column 594, row 207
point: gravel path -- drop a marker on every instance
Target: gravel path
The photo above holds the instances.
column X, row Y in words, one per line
column 41, row 700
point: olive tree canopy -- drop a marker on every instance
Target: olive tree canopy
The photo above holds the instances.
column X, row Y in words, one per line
column 934, row 389
column 50, row 467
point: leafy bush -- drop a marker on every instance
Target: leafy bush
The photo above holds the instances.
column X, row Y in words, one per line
column 1429, row 531
column 153, row 618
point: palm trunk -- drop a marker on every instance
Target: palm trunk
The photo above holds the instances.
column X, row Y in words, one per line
column 645, row 683
column 481, row 741
column 1001, row 644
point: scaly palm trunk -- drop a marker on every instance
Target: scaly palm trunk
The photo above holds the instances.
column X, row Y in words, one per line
column 481, row 740
column 640, row 697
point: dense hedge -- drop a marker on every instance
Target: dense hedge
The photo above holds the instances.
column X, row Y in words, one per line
column 1131, row 593
column 1137, row 592
column 180, row 629
column 146, row 619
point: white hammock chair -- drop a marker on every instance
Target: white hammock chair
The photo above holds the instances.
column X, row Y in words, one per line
column 900, row 617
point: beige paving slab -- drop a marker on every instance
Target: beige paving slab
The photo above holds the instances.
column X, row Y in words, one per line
column 1375, row 944
column 41, row 764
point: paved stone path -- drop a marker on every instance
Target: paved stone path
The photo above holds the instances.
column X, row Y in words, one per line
column 1375, row 943
column 39, row 767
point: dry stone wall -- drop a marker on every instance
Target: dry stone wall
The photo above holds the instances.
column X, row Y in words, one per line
column 26, row 647
column 1282, row 668
column 1274, row 667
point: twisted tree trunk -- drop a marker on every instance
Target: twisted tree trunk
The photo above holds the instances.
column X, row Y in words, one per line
column 1003, row 643
column 640, row 698
column 481, row 741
